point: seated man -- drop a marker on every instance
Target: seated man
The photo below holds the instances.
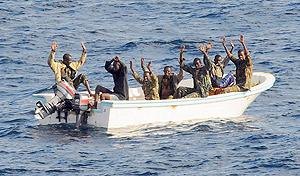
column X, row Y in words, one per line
column 168, row 82
column 216, row 68
column 66, row 69
column 201, row 79
column 120, row 91
column 244, row 68
column 149, row 81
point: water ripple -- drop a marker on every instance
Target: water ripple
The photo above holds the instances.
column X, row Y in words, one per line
column 264, row 143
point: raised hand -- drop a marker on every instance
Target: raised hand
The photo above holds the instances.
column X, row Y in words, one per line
column 149, row 66
column 224, row 45
column 181, row 58
column 116, row 59
column 202, row 48
column 142, row 61
column 242, row 39
column 209, row 46
column 182, row 48
column 83, row 47
column 223, row 39
column 53, row 46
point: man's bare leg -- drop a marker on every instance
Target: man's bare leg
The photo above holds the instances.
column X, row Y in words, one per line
column 105, row 96
column 87, row 86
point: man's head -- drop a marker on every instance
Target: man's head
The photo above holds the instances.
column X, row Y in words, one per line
column 197, row 63
column 218, row 59
column 146, row 76
column 67, row 59
column 241, row 54
column 168, row 71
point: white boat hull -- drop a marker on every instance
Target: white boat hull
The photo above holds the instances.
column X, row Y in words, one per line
column 119, row 114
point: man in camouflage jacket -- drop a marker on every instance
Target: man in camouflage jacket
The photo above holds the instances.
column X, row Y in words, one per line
column 149, row 81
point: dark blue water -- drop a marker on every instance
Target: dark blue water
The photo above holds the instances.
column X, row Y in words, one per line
column 263, row 142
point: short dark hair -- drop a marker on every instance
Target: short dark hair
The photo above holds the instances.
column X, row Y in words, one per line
column 240, row 50
column 217, row 57
column 197, row 59
column 67, row 57
column 168, row 66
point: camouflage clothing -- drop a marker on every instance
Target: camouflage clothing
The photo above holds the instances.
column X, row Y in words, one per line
column 78, row 80
column 202, row 82
column 186, row 92
column 216, row 71
column 234, row 88
column 150, row 87
column 244, row 70
column 61, row 71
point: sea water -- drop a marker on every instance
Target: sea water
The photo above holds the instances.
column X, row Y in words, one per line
column 265, row 141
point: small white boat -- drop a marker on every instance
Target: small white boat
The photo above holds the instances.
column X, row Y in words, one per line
column 137, row 111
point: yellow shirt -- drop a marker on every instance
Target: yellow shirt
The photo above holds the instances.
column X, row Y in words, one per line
column 58, row 67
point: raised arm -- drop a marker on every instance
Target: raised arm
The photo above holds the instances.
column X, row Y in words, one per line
column 135, row 75
column 76, row 65
column 229, row 54
column 51, row 60
column 108, row 67
column 204, row 49
column 242, row 40
column 224, row 45
column 143, row 64
column 247, row 54
column 154, row 78
column 209, row 46
column 181, row 57
column 83, row 55
column 226, row 59
column 149, row 67
column 180, row 75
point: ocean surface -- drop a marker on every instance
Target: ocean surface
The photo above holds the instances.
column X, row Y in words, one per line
column 264, row 141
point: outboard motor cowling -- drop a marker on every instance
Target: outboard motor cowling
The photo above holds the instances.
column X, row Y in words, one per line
column 64, row 92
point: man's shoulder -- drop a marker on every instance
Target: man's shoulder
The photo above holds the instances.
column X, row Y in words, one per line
column 160, row 77
column 72, row 65
column 59, row 63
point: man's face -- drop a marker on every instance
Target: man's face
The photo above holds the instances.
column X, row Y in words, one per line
column 168, row 72
column 117, row 66
column 198, row 64
column 241, row 55
column 218, row 60
column 67, row 59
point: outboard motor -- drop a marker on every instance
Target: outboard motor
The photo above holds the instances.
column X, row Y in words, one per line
column 64, row 94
